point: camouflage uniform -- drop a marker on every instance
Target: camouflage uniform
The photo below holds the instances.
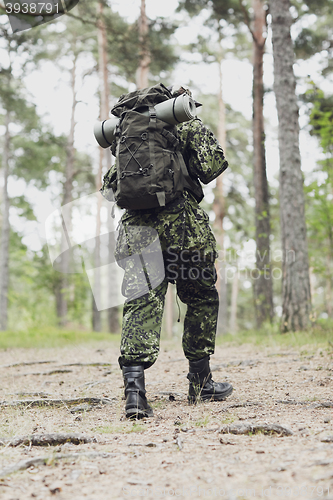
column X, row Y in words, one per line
column 189, row 252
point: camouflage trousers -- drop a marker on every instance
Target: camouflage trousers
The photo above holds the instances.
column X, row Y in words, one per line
column 181, row 238
column 194, row 276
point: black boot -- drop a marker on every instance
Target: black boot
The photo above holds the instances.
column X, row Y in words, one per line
column 202, row 387
column 136, row 402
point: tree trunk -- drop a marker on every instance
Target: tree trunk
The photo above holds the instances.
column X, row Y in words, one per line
column 296, row 296
column 62, row 288
column 263, row 284
column 113, row 312
column 142, row 72
column 219, row 210
column 5, row 234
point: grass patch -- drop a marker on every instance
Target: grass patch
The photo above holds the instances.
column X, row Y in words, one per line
column 125, row 428
column 109, row 429
column 228, row 420
column 202, row 422
column 52, row 337
column 136, row 427
column 270, row 336
column 312, row 398
column 161, row 405
column 48, row 337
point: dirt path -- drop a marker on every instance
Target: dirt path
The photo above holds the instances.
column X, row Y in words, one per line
column 182, row 451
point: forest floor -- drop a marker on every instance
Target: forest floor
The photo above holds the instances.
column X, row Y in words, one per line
column 272, row 438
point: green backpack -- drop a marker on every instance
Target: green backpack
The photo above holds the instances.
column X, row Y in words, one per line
column 150, row 167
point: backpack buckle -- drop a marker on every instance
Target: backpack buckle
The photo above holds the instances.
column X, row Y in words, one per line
column 144, row 136
column 152, row 112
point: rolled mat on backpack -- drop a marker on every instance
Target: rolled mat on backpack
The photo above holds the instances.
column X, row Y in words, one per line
column 172, row 111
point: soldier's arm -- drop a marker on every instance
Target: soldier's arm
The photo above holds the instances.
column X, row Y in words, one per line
column 205, row 156
column 109, row 184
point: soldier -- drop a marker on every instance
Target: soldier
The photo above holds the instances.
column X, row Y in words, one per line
column 189, row 253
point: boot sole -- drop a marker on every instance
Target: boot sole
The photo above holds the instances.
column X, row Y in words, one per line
column 213, row 397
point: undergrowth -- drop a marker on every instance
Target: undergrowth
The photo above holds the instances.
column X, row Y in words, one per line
column 320, row 335
column 53, row 337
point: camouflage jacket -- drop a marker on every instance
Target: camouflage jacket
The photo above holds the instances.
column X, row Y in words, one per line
column 202, row 153
column 183, row 224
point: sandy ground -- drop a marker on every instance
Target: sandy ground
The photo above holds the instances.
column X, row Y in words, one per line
column 182, row 451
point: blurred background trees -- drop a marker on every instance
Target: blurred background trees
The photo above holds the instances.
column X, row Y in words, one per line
column 259, row 213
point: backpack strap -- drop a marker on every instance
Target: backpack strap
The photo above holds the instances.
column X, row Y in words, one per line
column 160, row 195
column 189, row 183
column 152, row 128
column 171, row 138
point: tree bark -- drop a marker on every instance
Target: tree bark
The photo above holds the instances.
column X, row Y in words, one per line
column 296, row 296
column 142, row 80
column 263, row 283
column 5, row 234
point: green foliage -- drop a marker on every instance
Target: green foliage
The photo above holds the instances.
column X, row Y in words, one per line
column 319, row 196
column 321, row 120
column 36, row 155
column 34, row 150
column 124, row 47
column 229, row 11
column 315, row 36
column 29, row 305
column 313, row 6
column 163, row 53
column 193, row 7
column 309, row 42
column 46, row 281
column 226, row 20
column 23, row 207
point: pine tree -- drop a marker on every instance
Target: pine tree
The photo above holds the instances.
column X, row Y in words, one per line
column 296, row 299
